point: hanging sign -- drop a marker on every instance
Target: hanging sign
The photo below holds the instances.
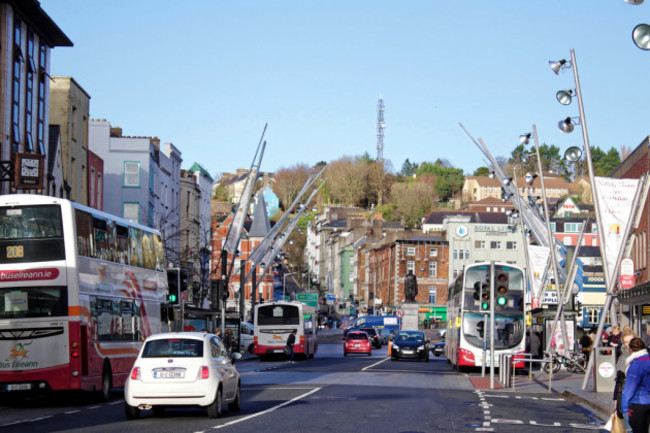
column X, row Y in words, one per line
column 627, row 273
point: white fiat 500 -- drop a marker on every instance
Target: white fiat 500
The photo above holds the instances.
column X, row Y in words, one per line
column 183, row 369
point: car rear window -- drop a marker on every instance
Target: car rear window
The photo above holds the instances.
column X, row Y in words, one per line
column 370, row 331
column 357, row 336
column 173, row 347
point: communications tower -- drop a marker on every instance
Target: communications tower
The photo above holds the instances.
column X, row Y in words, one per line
column 380, row 129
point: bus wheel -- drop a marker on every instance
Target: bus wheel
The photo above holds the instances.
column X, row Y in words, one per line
column 107, row 382
column 251, row 349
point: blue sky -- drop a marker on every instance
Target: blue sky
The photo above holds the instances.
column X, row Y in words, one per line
column 207, row 75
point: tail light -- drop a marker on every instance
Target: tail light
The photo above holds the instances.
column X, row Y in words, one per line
column 204, row 372
column 135, row 373
column 75, row 352
column 302, row 340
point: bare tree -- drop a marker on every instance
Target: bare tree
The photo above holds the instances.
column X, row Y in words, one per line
column 346, row 181
column 289, row 181
column 413, row 200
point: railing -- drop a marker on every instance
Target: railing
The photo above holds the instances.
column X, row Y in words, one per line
column 507, row 369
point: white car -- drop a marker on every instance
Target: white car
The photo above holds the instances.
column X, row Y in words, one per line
column 183, row 369
column 246, row 338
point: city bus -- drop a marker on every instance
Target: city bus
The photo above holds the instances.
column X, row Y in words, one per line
column 274, row 321
column 468, row 313
column 79, row 291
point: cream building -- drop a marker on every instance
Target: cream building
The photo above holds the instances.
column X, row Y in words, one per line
column 477, row 188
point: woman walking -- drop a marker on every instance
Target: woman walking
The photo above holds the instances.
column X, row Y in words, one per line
column 636, row 393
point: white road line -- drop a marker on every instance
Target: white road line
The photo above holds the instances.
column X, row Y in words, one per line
column 376, row 363
column 264, row 412
column 70, row 412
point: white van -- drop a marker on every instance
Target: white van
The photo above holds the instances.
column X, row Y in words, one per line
column 246, row 338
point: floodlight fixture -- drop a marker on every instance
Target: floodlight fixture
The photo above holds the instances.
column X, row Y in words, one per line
column 633, row 2
column 491, row 175
column 525, row 157
column 530, row 178
column 564, row 97
column 507, row 181
column 525, row 138
column 573, row 154
column 567, row 125
column 641, row 36
column 559, row 65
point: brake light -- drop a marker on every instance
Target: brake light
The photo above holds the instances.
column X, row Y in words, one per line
column 135, row 373
column 204, row 372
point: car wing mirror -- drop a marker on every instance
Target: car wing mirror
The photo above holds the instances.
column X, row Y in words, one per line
column 235, row 356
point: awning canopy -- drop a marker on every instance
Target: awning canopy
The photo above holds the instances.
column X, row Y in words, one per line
column 637, row 295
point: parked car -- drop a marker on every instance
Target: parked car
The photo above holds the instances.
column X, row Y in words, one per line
column 357, row 342
column 183, row 369
column 385, row 334
column 410, row 345
column 374, row 336
column 246, row 338
column 438, row 348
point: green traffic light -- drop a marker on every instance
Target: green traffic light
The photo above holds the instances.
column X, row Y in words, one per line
column 485, row 306
column 171, row 298
column 501, row 300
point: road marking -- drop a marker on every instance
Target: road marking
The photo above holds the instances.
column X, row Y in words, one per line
column 264, row 412
column 70, row 412
column 376, row 363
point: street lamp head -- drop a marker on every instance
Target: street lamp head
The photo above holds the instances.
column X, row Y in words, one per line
column 524, row 157
column 507, row 181
column 573, row 154
column 558, row 66
column 633, row 2
column 564, row 97
column 525, row 138
column 566, row 125
column 641, row 36
column 491, row 175
column 530, row 178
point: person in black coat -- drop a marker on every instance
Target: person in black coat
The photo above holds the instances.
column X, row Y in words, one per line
column 291, row 340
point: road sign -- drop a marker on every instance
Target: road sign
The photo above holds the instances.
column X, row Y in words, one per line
column 627, row 273
column 399, row 313
column 310, row 299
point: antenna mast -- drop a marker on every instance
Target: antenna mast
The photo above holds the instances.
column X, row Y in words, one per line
column 380, row 128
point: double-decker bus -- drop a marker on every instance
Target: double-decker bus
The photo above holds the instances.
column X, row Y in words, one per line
column 274, row 321
column 469, row 318
column 79, row 291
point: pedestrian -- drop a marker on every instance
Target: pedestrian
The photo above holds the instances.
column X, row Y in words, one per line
column 535, row 345
column 585, row 346
column 621, row 368
column 425, row 322
column 228, row 340
column 646, row 335
column 217, row 332
column 614, row 340
column 291, row 340
column 636, row 392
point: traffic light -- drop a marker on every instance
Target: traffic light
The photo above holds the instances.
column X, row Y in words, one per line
column 215, row 295
column 173, row 286
column 501, row 289
column 482, row 293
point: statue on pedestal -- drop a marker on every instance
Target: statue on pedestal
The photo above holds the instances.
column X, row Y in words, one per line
column 410, row 287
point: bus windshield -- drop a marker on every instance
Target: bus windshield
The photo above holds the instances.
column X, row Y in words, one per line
column 278, row 315
column 33, row 302
column 31, row 234
column 509, row 330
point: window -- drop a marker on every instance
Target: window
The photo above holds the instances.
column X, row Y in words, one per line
column 432, row 295
column 351, row 277
column 495, row 245
column 487, row 209
column 461, row 254
column 92, row 187
column 479, row 245
column 130, row 211
column 410, row 251
column 572, row 227
column 18, row 60
column 511, row 245
column 594, row 227
column 131, row 173
column 29, row 93
column 553, row 227
column 594, row 241
column 566, row 240
column 433, row 252
column 466, row 254
column 433, row 269
column 410, row 266
column 455, row 254
column 40, row 130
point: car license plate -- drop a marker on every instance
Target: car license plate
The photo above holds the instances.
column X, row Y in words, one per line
column 278, row 351
column 19, row 387
column 407, row 352
column 168, row 374
column 357, row 345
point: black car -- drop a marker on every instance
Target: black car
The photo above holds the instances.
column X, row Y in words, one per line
column 410, row 345
column 438, row 348
column 374, row 336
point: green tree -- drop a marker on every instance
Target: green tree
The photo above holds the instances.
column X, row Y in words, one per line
column 408, row 168
column 449, row 180
column 481, row 171
column 605, row 163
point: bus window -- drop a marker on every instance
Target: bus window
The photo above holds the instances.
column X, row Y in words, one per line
column 33, row 302
column 122, row 244
column 101, row 241
column 135, row 238
column 160, row 254
column 111, row 241
column 148, row 254
column 84, row 238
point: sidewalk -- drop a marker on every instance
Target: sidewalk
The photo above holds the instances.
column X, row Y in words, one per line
column 568, row 385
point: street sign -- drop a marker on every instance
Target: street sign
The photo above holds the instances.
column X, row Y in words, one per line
column 310, row 299
column 627, row 273
column 399, row 313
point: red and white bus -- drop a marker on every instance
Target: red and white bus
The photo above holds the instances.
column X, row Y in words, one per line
column 274, row 321
column 79, row 291
column 468, row 313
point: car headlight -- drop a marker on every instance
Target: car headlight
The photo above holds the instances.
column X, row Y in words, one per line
column 395, row 347
column 421, row 347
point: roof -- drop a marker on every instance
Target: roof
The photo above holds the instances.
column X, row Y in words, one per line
column 42, row 23
column 437, row 217
column 260, row 226
column 198, row 167
column 423, row 238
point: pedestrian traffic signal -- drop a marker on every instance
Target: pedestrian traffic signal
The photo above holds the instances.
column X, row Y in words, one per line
column 173, row 286
column 501, row 289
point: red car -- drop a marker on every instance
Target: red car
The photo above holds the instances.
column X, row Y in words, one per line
column 357, row 342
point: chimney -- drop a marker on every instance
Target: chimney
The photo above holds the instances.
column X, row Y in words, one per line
column 116, row 131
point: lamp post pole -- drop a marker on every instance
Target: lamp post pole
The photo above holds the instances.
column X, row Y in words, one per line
column 284, row 284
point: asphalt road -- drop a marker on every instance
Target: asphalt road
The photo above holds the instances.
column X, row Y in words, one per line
column 329, row 393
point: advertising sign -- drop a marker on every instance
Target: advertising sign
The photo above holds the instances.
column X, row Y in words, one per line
column 627, row 273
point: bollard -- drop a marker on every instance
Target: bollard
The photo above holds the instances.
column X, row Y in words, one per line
column 605, row 363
